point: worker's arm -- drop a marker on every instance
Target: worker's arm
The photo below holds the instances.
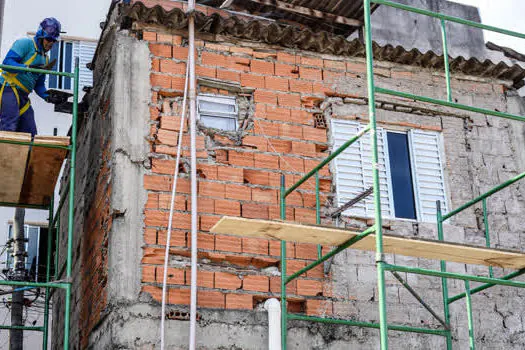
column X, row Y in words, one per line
column 14, row 57
column 40, row 87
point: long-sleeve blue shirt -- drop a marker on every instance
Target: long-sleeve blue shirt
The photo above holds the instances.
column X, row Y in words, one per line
column 19, row 55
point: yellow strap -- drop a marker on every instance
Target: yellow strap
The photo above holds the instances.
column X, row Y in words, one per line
column 25, row 108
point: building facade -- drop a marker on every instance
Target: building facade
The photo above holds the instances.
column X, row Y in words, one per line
column 273, row 100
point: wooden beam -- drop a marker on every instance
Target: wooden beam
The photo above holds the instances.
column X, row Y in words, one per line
column 281, row 5
column 331, row 236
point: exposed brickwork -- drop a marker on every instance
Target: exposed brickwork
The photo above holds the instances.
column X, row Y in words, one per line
column 94, row 269
column 236, row 180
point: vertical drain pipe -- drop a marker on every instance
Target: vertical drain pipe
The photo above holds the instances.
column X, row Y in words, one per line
column 273, row 306
column 193, row 135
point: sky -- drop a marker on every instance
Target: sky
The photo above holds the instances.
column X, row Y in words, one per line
column 506, row 14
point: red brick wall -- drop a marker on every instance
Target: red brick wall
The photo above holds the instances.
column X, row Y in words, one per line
column 240, row 180
column 94, row 267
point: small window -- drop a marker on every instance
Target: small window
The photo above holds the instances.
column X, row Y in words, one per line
column 219, row 112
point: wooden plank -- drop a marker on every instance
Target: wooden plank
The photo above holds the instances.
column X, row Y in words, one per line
column 420, row 248
column 13, row 159
column 281, row 5
column 43, row 170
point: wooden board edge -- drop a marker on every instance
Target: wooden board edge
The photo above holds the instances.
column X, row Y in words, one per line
column 15, row 136
column 53, row 140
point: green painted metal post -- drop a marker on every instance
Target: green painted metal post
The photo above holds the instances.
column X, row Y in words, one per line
column 71, row 213
column 318, row 212
column 57, row 245
column 487, row 232
column 381, row 290
column 284, row 314
column 50, row 230
column 468, row 299
column 444, row 282
column 445, row 58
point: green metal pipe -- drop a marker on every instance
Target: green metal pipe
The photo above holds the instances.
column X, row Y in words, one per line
column 485, row 195
column 366, row 324
column 381, row 290
column 445, row 58
column 23, row 328
column 487, row 232
column 36, row 70
column 327, row 160
column 468, row 300
column 62, row 285
column 337, row 250
column 318, row 212
column 444, row 281
column 284, row 314
column 449, row 18
column 57, row 246
column 48, row 273
column 33, row 144
column 458, row 276
column 449, row 104
column 71, row 214
column 486, row 286
column 67, row 317
column 26, row 206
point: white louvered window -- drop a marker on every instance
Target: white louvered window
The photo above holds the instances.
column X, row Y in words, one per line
column 219, row 112
column 65, row 52
column 410, row 172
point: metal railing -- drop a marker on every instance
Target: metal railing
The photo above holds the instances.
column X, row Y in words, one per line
column 51, row 285
column 381, row 265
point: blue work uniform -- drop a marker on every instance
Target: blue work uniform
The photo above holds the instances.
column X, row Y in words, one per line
column 16, row 113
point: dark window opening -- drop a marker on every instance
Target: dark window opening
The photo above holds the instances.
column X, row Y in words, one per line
column 401, row 175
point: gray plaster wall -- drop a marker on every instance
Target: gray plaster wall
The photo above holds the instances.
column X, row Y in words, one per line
column 410, row 30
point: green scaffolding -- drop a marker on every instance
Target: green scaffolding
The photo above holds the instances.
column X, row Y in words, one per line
column 57, row 282
column 381, row 264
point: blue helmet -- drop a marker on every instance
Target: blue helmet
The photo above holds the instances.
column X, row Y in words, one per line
column 49, row 29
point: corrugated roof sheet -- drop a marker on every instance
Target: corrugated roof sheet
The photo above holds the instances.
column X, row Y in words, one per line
column 352, row 9
column 322, row 42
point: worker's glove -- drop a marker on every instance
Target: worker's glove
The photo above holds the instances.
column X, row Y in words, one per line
column 55, row 99
column 48, row 66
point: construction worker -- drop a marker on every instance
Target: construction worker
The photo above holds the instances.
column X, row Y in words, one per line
column 16, row 113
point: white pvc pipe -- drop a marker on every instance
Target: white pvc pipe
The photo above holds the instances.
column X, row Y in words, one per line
column 193, row 136
column 173, row 192
column 274, row 323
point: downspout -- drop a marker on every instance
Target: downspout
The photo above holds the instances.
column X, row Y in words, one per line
column 193, row 135
column 274, row 323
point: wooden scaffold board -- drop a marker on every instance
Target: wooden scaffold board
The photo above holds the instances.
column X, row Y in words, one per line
column 30, row 182
column 421, row 248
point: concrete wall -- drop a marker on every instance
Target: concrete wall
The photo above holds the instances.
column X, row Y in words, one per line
column 410, row 30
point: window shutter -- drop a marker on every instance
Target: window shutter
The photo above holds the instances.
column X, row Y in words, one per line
column 427, row 173
column 353, row 169
column 86, row 51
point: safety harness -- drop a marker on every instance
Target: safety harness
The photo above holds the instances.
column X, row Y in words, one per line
column 12, row 80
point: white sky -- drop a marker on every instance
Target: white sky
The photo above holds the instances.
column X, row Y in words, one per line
column 506, row 14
